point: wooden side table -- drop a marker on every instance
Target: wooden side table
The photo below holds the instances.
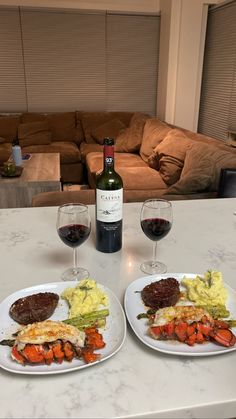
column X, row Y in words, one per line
column 41, row 173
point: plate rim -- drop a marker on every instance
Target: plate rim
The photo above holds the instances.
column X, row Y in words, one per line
column 154, row 278
column 75, row 367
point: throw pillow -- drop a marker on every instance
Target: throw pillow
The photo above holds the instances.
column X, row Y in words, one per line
column 27, row 117
column 8, row 127
column 130, row 139
column 34, row 133
column 194, row 183
column 202, row 167
column 62, row 126
column 170, row 155
column 154, row 132
column 110, row 129
column 91, row 120
column 153, row 161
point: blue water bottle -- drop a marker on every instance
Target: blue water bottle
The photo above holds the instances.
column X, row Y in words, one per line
column 16, row 153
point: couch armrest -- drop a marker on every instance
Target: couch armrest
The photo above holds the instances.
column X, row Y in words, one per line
column 49, row 199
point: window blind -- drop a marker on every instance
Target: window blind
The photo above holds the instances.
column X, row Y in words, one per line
column 12, row 80
column 64, row 60
column 132, row 62
column 232, row 109
column 71, row 59
column 217, row 113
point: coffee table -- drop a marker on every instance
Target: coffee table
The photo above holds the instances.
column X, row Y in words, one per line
column 41, row 173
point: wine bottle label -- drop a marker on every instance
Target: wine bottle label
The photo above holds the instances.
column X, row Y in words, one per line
column 109, row 205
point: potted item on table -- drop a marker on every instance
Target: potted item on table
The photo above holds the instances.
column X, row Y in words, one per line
column 9, row 168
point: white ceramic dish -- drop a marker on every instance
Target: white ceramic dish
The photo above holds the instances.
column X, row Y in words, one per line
column 134, row 306
column 114, row 333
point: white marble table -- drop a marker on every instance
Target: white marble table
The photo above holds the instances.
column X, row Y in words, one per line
column 137, row 381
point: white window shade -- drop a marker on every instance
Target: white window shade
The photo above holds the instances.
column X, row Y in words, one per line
column 218, row 94
column 64, row 60
column 232, row 112
column 61, row 60
column 12, row 80
column 132, row 62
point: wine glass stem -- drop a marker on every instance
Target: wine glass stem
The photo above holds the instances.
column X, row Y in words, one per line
column 75, row 257
column 155, row 253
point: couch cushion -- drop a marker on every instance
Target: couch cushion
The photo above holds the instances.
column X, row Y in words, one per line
column 34, row 133
column 92, row 120
column 153, row 161
column 202, row 167
column 69, row 152
column 129, row 166
column 154, row 132
column 135, row 173
column 63, row 126
column 130, row 139
column 86, row 148
column 94, row 161
column 170, row 155
column 110, row 129
column 9, row 127
column 68, row 124
column 2, row 140
column 141, row 178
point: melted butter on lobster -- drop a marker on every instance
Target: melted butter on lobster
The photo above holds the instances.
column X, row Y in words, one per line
column 54, row 341
column 49, row 331
column 190, row 325
column 186, row 314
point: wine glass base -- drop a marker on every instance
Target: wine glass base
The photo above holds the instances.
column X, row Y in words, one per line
column 75, row 274
column 150, row 267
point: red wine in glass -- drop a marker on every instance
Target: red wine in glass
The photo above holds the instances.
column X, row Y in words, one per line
column 155, row 228
column 73, row 228
column 74, row 235
column 156, row 223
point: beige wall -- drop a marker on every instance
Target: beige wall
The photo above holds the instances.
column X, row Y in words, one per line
column 182, row 38
column 149, row 6
column 182, row 50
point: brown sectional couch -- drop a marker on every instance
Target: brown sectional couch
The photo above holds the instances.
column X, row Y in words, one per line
column 154, row 158
column 39, row 133
column 60, row 132
column 167, row 161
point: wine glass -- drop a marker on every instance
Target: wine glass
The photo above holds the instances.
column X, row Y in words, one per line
column 156, row 222
column 73, row 228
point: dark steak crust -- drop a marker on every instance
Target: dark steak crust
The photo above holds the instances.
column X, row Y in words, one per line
column 34, row 308
column 163, row 293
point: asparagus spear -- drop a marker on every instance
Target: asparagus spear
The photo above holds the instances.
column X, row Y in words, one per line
column 85, row 325
column 231, row 323
column 7, row 342
column 89, row 319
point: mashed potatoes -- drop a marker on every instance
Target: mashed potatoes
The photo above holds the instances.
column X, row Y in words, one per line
column 84, row 298
column 208, row 290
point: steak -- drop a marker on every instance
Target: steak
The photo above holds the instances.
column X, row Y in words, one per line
column 163, row 293
column 34, row 308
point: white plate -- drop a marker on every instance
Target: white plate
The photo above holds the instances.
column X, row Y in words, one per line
column 114, row 333
column 134, row 306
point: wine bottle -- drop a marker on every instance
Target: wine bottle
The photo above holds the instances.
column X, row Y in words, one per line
column 109, row 203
